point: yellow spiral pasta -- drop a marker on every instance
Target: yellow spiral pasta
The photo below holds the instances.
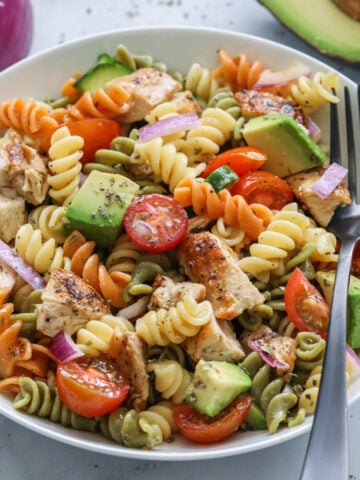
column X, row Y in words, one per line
column 65, row 166
column 48, row 219
column 44, row 255
column 159, row 416
column 171, row 379
column 232, row 235
column 325, row 242
column 200, row 81
column 309, row 396
column 94, row 338
column 124, row 256
column 313, row 92
column 167, row 164
column 162, row 327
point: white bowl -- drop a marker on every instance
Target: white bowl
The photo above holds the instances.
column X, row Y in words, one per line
column 42, row 76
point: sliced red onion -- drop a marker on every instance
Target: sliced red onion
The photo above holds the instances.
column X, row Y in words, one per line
column 270, row 79
column 63, row 347
column 82, row 178
column 135, row 309
column 265, row 355
column 330, row 179
column 167, row 126
column 353, row 359
column 313, row 128
column 22, row 268
column 16, row 30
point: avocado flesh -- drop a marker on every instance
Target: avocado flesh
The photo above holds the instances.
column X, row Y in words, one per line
column 215, row 385
column 288, row 147
column 255, row 419
column 321, row 23
column 326, row 281
column 98, row 208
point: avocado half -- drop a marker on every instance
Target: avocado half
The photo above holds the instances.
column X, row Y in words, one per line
column 321, row 23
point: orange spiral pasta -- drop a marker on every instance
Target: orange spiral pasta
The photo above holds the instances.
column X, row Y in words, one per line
column 237, row 71
column 234, row 209
column 68, row 89
column 87, row 265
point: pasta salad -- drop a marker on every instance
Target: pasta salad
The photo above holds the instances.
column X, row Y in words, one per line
column 166, row 267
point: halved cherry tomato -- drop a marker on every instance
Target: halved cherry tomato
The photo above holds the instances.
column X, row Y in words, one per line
column 91, row 386
column 356, row 260
column 155, row 222
column 305, row 306
column 241, row 160
column 203, row 429
column 96, row 132
column 265, row 188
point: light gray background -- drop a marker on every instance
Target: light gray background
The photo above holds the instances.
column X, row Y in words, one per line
column 28, row 456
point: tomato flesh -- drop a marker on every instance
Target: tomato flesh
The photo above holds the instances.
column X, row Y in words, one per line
column 265, row 188
column 241, row 160
column 156, row 223
column 203, row 429
column 91, row 386
column 96, row 132
column 305, row 306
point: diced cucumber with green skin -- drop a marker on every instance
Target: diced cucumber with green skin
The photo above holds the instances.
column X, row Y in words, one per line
column 215, row 385
column 98, row 208
column 288, row 146
column 326, row 281
column 255, row 419
column 105, row 58
column 222, row 177
column 99, row 75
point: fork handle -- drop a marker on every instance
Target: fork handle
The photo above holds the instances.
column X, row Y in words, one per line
column 327, row 450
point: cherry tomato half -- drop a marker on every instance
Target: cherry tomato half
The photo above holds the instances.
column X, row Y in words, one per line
column 241, row 160
column 96, row 132
column 356, row 260
column 156, row 223
column 203, row 429
column 265, row 188
column 91, row 386
column 305, row 306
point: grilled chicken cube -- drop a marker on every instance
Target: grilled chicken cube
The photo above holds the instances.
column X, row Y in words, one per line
column 22, row 168
column 68, row 303
column 215, row 341
column 167, row 293
column 148, row 87
column 320, row 209
column 207, row 260
column 186, row 103
column 281, row 348
column 12, row 215
column 129, row 352
column 254, row 103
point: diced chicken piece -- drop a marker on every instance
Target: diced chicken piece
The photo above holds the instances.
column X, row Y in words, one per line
column 129, row 352
column 167, row 293
column 186, row 103
column 68, row 304
column 149, row 87
column 254, row 103
column 12, row 215
column 215, row 341
column 208, row 260
column 22, row 168
column 320, row 209
column 7, row 277
column 282, row 348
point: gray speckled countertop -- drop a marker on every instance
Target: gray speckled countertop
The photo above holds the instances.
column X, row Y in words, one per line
column 25, row 455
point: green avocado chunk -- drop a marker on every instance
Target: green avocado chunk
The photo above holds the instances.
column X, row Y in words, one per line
column 255, row 419
column 98, row 208
column 98, row 76
column 215, row 385
column 326, row 281
column 321, row 23
column 288, row 146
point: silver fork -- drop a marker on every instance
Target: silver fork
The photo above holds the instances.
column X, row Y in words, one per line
column 327, row 451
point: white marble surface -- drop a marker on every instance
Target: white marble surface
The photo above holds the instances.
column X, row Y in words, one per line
column 28, row 456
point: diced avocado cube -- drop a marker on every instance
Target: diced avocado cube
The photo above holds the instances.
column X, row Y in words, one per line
column 215, row 385
column 326, row 281
column 287, row 145
column 98, row 208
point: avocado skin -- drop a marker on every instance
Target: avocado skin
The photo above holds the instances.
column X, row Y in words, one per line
column 327, row 281
column 320, row 23
column 215, row 385
column 288, row 147
column 98, row 208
